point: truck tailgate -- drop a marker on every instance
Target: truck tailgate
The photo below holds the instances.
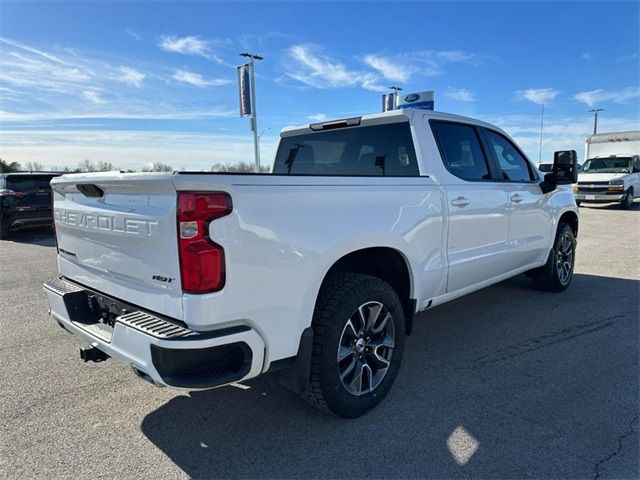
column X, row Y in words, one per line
column 119, row 237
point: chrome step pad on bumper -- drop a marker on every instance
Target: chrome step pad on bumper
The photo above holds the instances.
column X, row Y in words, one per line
column 152, row 325
column 76, row 301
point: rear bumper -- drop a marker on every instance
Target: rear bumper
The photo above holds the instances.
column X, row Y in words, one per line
column 599, row 197
column 17, row 222
column 163, row 352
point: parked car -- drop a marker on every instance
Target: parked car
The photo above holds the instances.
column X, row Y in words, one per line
column 25, row 201
column 611, row 173
column 201, row 279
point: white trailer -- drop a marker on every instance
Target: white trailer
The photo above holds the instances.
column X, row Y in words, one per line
column 619, row 144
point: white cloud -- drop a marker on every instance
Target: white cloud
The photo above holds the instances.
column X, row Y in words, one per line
column 539, row 96
column 142, row 114
column 587, row 56
column 131, row 148
column 320, row 71
column 94, row 96
column 197, row 80
column 131, row 76
column 460, row 94
column 390, row 70
column 132, row 33
column 318, row 117
column 454, row 55
column 312, row 67
column 70, row 74
column 598, row 96
column 631, row 56
column 29, row 49
column 190, row 45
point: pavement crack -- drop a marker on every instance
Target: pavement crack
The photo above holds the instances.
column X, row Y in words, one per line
column 621, row 438
column 545, row 340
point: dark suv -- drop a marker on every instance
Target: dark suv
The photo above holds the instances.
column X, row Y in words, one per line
column 25, row 201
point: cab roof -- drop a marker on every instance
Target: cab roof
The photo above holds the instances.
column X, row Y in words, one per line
column 392, row 116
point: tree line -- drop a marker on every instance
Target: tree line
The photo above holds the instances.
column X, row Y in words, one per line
column 102, row 166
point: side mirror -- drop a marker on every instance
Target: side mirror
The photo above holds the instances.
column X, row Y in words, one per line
column 565, row 167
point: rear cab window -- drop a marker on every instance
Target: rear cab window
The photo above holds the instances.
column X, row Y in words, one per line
column 376, row 150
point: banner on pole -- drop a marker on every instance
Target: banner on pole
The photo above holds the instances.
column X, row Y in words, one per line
column 244, row 88
column 422, row 100
column 388, row 101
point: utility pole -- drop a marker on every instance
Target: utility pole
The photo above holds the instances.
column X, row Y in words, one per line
column 595, row 118
column 254, row 118
column 541, row 125
column 395, row 95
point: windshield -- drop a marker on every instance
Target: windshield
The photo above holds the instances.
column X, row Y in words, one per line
column 607, row 165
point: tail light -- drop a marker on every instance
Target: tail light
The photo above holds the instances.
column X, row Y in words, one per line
column 202, row 266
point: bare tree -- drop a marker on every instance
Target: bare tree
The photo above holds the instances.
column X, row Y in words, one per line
column 34, row 167
column 100, row 166
column 158, row 167
column 57, row 168
column 240, row 167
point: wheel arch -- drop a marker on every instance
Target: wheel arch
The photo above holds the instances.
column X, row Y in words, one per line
column 386, row 263
column 571, row 218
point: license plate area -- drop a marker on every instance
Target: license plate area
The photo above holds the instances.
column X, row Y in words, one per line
column 590, row 197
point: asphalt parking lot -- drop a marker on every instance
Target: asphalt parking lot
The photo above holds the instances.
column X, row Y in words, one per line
column 507, row 382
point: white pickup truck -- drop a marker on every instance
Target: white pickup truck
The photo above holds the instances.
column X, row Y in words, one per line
column 198, row 280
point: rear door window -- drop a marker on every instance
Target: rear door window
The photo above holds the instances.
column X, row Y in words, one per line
column 461, row 151
column 378, row 150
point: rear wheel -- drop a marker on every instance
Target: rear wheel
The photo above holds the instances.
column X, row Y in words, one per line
column 556, row 274
column 357, row 346
column 627, row 200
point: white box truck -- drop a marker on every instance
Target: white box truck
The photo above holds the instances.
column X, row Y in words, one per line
column 611, row 171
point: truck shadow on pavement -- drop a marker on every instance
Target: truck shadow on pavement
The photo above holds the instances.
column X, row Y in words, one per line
column 507, row 382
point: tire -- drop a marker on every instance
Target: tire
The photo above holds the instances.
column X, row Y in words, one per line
column 557, row 273
column 352, row 372
column 627, row 201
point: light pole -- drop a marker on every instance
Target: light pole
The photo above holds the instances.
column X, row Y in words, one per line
column 254, row 117
column 395, row 95
column 595, row 118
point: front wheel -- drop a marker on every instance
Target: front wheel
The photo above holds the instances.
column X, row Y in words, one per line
column 357, row 346
column 556, row 274
column 627, row 200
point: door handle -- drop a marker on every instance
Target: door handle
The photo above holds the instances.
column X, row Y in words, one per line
column 460, row 202
column 516, row 198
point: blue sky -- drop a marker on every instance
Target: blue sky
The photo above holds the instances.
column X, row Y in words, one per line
column 133, row 83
